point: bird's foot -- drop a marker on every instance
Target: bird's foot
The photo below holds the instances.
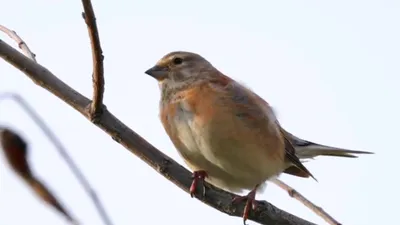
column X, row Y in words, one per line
column 198, row 176
column 250, row 199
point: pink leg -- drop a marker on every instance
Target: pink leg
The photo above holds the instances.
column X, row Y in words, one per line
column 250, row 202
column 197, row 175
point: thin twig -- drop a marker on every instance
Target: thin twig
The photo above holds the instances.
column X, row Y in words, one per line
column 16, row 151
column 63, row 152
column 316, row 209
column 21, row 43
column 221, row 200
column 97, row 55
column 59, row 146
column 306, row 154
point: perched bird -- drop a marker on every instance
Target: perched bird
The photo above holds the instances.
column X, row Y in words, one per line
column 226, row 133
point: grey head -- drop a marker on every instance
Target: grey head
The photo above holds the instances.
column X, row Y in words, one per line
column 180, row 66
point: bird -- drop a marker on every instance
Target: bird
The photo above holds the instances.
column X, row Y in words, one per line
column 226, row 133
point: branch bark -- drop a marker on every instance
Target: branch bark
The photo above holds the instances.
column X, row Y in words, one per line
column 97, row 55
column 216, row 198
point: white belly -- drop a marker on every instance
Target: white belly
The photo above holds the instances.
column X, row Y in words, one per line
column 231, row 163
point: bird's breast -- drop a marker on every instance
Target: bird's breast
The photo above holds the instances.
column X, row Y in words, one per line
column 231, row 137
column 235, row 156
column 184, row 123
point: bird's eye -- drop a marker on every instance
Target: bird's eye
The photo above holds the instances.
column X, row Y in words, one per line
column 178, row 61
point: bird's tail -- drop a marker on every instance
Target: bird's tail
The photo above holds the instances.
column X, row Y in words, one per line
column 308, row 150
column 313, row 150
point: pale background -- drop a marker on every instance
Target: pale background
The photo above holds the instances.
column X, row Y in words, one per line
column 331, row 70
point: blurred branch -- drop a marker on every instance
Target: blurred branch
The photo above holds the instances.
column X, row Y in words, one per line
column 97, row 55
column 53, row 138
column 63, row 152
column 216, row 198
column 316, row 209
column 16, row 151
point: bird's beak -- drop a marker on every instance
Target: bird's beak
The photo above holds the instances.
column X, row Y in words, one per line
column 158, row 72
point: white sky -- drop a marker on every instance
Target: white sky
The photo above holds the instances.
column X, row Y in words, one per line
column 331, row 70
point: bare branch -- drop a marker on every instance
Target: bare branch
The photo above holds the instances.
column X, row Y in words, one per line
column 21, row 43
column 216, row 198
column 63, row 152
column 16, row 151
column 316, row 209
column 97, row 55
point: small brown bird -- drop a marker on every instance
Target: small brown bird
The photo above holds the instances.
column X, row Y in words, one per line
column 226, row 133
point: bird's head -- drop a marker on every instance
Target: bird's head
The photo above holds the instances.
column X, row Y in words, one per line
column 180, row 67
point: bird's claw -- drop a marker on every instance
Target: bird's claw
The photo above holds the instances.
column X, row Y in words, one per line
column 198, row 175
column 250, row 203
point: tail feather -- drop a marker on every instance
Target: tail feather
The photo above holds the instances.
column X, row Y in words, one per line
column 308, row 150
column 314, row 150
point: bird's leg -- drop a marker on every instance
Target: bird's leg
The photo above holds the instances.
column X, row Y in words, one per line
column 250, row 202
column 197, row 175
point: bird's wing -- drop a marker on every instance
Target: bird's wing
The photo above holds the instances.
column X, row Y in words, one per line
column 247, row 100
column 297, row 168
